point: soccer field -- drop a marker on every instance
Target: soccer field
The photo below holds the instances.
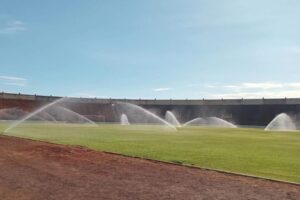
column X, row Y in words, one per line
column 248, row 151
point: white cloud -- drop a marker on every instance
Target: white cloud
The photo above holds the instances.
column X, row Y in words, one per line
column 12, row 80
column 12, row 27
column 162, row 89
column 193, row 85
column 89, row 95
column 260, row 90
column 262, row 85
column 294, row 49
column 257, row 95
column 207, row 85
column 211, row 85
column 294, row 85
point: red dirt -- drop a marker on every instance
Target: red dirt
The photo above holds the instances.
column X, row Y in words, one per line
column 39, row 170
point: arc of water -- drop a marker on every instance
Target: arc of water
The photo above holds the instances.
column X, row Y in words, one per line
column 50, row 116
column 4, row 110
column 211, row 121
column 38, row 117
column 192, row 121
column 124, row 119
column 20, row 111
column 170, row 117
column 282, row 122
column 78, row 115
column 11, row 111
column 149, row 113
column 222, row 121
column 33, row 113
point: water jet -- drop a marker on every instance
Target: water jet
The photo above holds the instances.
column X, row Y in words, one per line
column 52, row 112
column 170, row 117
column 138, row 115
column 282, row 122
column 124, row 119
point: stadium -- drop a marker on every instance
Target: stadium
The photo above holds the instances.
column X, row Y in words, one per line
column 216, row 141
column 149, row 100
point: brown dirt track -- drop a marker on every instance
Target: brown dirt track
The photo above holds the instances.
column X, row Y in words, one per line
column 39, row 170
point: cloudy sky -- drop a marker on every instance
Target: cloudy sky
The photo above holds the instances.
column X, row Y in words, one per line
column 151, row 49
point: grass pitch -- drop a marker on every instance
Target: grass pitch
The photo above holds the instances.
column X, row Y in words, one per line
column 255, row 152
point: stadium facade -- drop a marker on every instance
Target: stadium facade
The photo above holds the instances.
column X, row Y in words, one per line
column 248, row 112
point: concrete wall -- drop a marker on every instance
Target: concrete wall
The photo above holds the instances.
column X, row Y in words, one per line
column 289, row 101
column 240, row 111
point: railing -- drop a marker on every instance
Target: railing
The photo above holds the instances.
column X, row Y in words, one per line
column 242, row 101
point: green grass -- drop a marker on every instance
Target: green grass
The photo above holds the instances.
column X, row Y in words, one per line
column 255, row 152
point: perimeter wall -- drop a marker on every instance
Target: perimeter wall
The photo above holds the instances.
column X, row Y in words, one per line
column 254, row 112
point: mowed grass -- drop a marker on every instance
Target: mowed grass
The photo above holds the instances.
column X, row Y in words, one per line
column 274, row 155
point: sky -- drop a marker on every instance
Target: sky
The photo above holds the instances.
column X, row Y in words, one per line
column 179, row 49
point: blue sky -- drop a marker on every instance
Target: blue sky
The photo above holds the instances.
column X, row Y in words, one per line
column 151, row 49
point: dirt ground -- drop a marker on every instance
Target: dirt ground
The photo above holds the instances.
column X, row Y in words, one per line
column 38, row 170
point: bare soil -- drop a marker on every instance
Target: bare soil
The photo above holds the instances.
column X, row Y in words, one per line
column 39, row 170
